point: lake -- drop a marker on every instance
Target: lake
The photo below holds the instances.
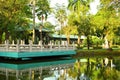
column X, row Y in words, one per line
column 61, row 68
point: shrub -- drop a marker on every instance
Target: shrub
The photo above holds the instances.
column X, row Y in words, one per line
column 97, row 47
column 79, row 47
column 115, row 46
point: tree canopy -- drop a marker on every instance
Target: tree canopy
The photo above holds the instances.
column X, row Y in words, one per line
column 16, row 16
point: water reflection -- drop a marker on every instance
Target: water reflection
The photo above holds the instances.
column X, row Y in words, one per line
column 107, row 68
column 35, row 70
column 98, row 68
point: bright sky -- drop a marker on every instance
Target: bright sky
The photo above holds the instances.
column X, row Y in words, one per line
column 53, row 2
column 51, row 18
column 93, row 6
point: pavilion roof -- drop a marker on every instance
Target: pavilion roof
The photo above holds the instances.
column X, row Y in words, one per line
column 64, row 36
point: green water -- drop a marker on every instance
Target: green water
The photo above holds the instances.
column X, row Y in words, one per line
column 95, row 68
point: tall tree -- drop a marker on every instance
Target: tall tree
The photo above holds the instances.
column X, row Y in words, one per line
column 107, row 20
column 68, row 30
column 61, row 16
column 80, row 10
column 41, row 9
column 13, row 14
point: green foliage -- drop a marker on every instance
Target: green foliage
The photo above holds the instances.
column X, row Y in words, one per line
column 93, row 71
column 81, row 18
column 96, row 41
column 42, row 9
column 85, row 42
column 60, row 14
column 49, row 26
column 13, row 15
column 107, row 20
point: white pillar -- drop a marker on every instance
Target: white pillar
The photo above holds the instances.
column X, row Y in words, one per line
column 30, row 45
column 67, row 45
column 59, row 45
column 7, row 45
column 13, row 42
column 73, row 45
column 17, row 46
column 50, row 45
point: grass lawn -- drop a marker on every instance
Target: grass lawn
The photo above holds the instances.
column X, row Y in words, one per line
column 98, row 52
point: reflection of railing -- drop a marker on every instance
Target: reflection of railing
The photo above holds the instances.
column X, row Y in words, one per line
column 37, row 71
column 23, row 70
column 34, row 47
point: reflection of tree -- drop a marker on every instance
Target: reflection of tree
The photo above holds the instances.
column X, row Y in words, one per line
column 93, row 69
column 107, row 73
column 89, row 69
column 75, row 71
column 101, row 73
column 117, row 63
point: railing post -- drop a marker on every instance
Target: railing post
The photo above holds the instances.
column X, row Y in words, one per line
column 30, row 45
column 13, row 42
column 7, row 45
column 67, row 45
column 59, row 45
column 73, row 45
column 50, row 45
column 22, row 42
column 41, row 45
column 17, row 46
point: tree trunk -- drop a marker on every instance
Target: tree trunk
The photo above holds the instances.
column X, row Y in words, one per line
column 88, row 42
column 79, row 40
column 7, row 35
column 68, row 40
column 1, row 37
column 110, row 43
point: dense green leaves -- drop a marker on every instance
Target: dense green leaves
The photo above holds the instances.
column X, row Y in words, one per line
column 60, row 14
column 15, row 16
column 80, row 11
column 107, row 20
column 42, row 9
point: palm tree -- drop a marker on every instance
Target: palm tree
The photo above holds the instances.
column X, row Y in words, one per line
column 41, row 9
column 61, row 16
column 42, row 12
column 80, row 10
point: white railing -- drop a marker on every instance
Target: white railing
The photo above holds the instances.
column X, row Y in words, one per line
column 34, row 47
